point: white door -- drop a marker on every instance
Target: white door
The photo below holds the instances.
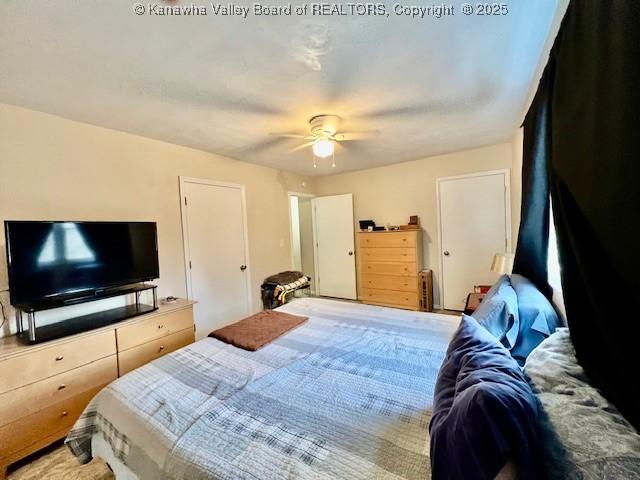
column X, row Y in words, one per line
column 215, row 253
column 334, row 242
column 474, row 225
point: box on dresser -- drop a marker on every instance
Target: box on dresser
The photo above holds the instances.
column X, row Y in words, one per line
column 45, row 387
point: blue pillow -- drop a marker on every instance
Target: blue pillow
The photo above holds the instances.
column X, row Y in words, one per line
column 498, row 312
column 484, row 411
column 538, row 318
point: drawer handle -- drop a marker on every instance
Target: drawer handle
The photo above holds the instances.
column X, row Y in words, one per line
column 59, row 357
column 62, row 386
column 64, row 414
column 161, row 348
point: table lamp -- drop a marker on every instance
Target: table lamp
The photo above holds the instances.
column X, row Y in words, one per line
column 502, row 263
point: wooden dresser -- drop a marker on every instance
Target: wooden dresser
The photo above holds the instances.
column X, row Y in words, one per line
column 388, row 266
column 45, row 387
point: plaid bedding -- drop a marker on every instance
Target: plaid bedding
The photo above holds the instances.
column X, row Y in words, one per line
column 346, row 395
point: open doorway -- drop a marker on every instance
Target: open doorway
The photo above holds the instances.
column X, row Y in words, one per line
column 301, row 221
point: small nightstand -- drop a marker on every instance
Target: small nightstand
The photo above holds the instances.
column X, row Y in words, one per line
column 473, row 302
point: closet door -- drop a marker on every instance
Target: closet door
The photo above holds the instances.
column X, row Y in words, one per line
column 475, row 224
column 215, row 253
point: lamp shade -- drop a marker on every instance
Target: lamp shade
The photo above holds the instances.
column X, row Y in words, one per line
column 323, row 148
column 502, row 263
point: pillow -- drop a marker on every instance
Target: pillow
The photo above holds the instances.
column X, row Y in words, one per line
column 256, row 331
column 498, row 312
column 538, row 318
column 484, row 411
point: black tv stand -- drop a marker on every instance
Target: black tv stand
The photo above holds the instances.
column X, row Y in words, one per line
column 71, row 326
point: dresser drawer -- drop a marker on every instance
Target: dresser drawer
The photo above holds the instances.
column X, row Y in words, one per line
column 408, row 269
column 387, row 239
column 43, row 363
column 157, row 326
column 29, row 399
column 389, row 297
column 391, row 254
column 54, row 420
column 389, row 282
column 138, row 356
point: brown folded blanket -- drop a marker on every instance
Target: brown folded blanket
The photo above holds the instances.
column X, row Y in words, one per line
column 256, row 331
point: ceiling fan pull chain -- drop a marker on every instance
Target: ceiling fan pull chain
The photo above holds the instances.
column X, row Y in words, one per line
column 333, row 160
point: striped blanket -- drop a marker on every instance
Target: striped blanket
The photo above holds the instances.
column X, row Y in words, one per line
column 346, row 395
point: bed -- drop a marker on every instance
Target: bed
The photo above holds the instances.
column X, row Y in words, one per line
column 520, row 406
column 346, row 395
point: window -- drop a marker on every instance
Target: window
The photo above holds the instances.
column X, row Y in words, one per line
column 553, row 260
column 553, row 268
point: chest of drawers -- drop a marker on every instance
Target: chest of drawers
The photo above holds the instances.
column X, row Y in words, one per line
column 45, row 387
column 388, row 266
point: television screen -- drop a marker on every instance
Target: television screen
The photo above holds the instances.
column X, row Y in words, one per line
column 49, row 259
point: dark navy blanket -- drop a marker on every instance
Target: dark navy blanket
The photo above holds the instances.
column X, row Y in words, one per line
column 485, row 412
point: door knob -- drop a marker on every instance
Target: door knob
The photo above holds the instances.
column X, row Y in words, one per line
column 243, row 267
column 350, row 253
column 446, row 253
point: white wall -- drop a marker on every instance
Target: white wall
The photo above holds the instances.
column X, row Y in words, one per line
column 57, row 169
column 392, row 193
column 306, row 239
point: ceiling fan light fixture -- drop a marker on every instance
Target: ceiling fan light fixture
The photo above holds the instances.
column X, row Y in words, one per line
column 323, row 148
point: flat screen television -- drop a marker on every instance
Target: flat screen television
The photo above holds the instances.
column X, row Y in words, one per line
column 47, row 260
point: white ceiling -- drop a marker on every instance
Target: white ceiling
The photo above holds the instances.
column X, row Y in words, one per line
column 221, row 84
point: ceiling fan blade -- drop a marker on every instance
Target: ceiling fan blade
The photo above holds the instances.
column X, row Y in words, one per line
column 359, row 148
column 304, row 145
column 403, row 111
column 289, row 135
column 258, row 147
column 209, row 98
column 440, row 106
column 347, row 136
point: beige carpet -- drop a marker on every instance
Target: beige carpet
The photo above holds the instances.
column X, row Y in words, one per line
column 57, row 463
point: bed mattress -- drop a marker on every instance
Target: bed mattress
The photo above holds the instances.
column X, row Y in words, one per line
column 348, row 394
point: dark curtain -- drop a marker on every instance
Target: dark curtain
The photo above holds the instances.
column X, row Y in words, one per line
column 594, row 177
column 533, row 235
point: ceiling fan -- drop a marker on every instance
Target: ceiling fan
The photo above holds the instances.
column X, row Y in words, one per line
column 324, row 135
